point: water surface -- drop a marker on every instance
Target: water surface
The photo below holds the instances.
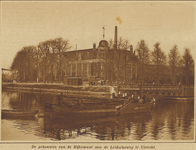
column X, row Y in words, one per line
column 168, row 121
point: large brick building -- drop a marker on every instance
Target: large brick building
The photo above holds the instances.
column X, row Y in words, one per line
column 103, row 63
column 110, row 65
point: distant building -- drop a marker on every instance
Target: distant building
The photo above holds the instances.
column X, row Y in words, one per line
column 103, row 63
column 9, row 75
column 111, row 66
column 98, row 63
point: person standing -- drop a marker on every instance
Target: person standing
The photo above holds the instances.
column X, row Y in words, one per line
column 60, row 98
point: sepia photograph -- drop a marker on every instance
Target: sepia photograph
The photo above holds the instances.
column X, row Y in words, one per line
column 97, row 72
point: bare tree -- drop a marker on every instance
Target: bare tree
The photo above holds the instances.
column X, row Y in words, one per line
column 111, row 43
column 24, row 63
column 52, row 57
column 44, row 49
column 30, row 63
column 120, row 59
column 37, row 58
column 174, row 61
column 118, row 65
column 122, row 44
column 144, row 57
column 61, row 46
column 18, row 64
column 158, row 58
column 188, row 63
column 143, row 52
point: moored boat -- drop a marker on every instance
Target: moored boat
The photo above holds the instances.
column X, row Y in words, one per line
column 91, row 111
column 137, row 107
column 18, row 114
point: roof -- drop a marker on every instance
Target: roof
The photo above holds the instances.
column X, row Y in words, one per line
column 80, row 50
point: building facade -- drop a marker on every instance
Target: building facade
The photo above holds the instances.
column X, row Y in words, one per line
column 103, row 63
column 109, row 65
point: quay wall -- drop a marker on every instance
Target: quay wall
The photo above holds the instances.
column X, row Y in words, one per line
column 100, row 91
column 68, row 92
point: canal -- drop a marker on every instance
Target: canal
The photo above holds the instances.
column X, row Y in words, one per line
column 168, row 120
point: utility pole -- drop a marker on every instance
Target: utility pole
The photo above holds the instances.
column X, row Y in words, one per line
column 76, row 44
column 103, row 32
column 125, row 66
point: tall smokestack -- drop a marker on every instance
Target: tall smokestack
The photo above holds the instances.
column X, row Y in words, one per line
column 115, row 38
column 94, row 46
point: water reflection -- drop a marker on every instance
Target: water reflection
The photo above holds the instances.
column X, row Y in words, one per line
column 108, row 128
column 176, row 117
column 169, row 120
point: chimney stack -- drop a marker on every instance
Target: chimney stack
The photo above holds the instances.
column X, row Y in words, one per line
column 115, row 38
column 131, row 49
column 94, row 46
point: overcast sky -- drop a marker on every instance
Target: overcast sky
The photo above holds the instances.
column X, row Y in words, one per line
column 28, row 23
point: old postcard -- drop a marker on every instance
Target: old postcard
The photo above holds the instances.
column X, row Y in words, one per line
column 97, row 75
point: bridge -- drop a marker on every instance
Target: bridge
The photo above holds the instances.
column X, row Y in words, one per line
column 164, row 90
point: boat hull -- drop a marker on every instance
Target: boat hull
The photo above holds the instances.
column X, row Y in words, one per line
column 59, row 111
column 88, row 113
column 17, row 114
column 132, row 108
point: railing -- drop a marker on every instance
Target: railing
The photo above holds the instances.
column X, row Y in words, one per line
column 150, row 86
column 164, row 89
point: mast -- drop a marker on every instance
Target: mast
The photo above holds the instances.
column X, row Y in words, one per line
column 103, row 31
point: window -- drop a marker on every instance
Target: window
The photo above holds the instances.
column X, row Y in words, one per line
column 68, row 69
column 133, row 77
column 73, row 69
column 90, row 71
column 85, row 70
column 79, row 70
column 102, row 67
column 133, row 69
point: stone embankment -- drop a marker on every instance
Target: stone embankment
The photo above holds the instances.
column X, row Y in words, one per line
column 57, row 88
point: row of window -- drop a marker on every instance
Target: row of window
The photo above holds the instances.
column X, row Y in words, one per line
column 80, row 55
column 85, row 69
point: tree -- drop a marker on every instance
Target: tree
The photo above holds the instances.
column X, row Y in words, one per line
column 119, row 59
column 24, row 63
column 111, row 43
column 174, row 61
column 52, row 55
column 158, row 58
column 143, row 55
column 143, row 52
column 37, row 59
column 17, row 62
column 60, row 45
column 188, row 63
column 29, row 63
column 187, row 60
column 122, row 44
column 44, row 50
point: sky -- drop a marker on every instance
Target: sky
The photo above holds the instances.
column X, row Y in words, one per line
column 29, row 23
